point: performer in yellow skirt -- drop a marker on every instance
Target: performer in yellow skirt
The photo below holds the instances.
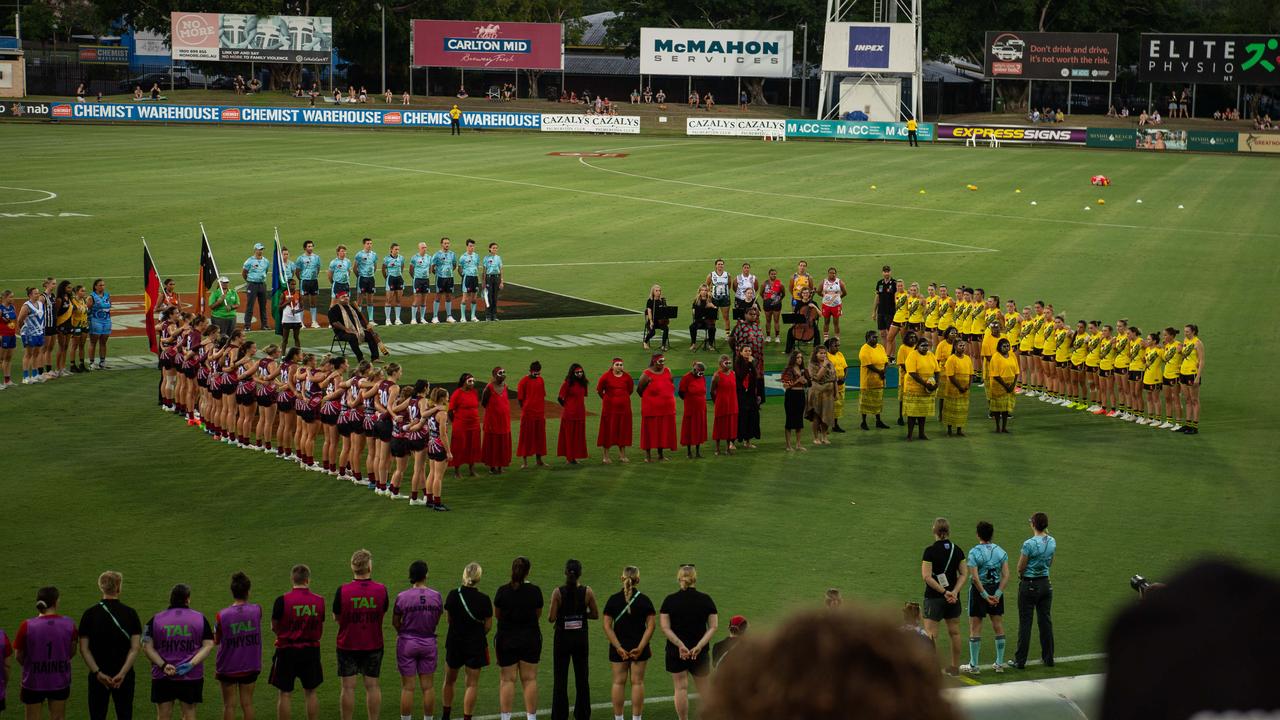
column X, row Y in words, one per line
column 1003, row 375
column 955, row 389
column 918, row 388
column 838, row 361
column 873, row 359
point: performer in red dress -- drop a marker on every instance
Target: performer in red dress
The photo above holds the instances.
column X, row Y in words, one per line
column 464, row 417
column 693, row 422
column 614, row 389
column 657, row 408
column 531, row 393
column 496, row 447
column 571, row 443
column 724, row 391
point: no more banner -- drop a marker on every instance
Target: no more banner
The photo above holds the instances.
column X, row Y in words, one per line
column 1013, row 134
column 357, row 117
column 614, row 124
column 851, row 130
column 735, row 128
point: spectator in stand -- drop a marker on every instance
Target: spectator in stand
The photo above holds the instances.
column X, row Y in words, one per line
column 824, row 664
column 635, row 96
column 155, row 92
column 1143, row 119
column 110, row 638
column 297, row 619
column 720, row 651
column 648, row 94
column 387, row 96
column 709, row 101
column 404, row 99
column 359, row 607
column 661, row 97
column 693, row 99
column 137, row 92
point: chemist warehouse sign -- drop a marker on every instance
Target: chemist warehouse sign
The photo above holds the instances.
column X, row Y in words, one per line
column 731, row 53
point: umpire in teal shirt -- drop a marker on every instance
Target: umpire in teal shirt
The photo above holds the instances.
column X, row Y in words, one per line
column 254, row 273
column 1035, row 593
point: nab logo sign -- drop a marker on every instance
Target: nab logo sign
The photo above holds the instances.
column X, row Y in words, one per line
column 869, row 47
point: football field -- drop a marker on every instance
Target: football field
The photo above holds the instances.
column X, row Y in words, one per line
column 97, row 477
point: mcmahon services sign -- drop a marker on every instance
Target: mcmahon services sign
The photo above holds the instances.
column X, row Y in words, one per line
column 732, row 53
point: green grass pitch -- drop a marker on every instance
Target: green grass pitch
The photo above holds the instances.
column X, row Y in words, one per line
column 96, row 477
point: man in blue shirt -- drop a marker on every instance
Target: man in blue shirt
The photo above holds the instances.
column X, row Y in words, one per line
column 366, row 267
column 339, row 275
column 469, row 269
column 492, row 281
column 420, row 264
column 309, row 276
column 443, row 264
column 254, row 272
column 988, row 575
column 393, row 271
column 1035, row 593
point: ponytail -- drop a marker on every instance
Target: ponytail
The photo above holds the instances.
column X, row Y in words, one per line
column 630, row 578
column 46, row 598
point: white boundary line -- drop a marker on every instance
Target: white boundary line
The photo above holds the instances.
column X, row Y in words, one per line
column 655, row 201
column 51, row 195
column 663, row 699
column 971, row 213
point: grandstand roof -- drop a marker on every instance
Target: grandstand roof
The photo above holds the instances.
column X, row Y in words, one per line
column 593, row 34
column 601, row 65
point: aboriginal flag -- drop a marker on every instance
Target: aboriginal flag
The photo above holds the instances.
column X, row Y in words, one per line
column 207, row 278
column 151, row 295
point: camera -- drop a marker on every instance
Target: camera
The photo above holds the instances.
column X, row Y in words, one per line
column 1139, row 584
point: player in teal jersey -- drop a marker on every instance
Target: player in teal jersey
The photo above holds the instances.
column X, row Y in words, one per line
column 339, row 275
column 393, row 271
column 443, row 264
column 469, row 269
column 988, row 576
column 366, row 267
column 420, row 264
column 308, row 264
column 492, row 281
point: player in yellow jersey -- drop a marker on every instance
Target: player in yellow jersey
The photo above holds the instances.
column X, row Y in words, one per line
column 973, row 331
column 1134, row 365
column 946, row 310
column 1024, row 342
column 1049, row 367
column 931, row 314
column 915, row 309
column 1120, row 368
column 1042, row 325
column 1152, row 379
column 1171, row 354
column 1076, row 388
column 899, row 316
column 1106, row 369
column 1190, row 371
column 1092, row 360
column 907, row 347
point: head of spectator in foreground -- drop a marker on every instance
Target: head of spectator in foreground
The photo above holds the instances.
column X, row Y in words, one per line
column 687, row 576
column 737, row 625
column 361, row 564
column 1147, row 645
column 109, row 583
column 471, row 574
column 941, row 528
column 300, row 576
column 821, row 664
column 833, row 599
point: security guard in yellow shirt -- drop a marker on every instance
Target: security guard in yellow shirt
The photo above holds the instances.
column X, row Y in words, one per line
column 455, row 121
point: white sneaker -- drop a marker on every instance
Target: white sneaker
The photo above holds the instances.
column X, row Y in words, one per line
column 413, row 321
column 373, row 323
column 1164, row 425
column 474, row 318
column 399, row 496
column 461, row 319
column 449, row 319
column 970, row 669
column 419, row 502
column 1141, row 421
column 1044, row 398
column 1175, row 428
column 435, row 320
column 997, row 667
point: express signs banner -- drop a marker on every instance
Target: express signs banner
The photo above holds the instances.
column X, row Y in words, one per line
column 724, row 53
column 250, row 38
column 1214, row 59
column 735, row 127
column 1051, row 56
column 479, row 44
column 612, row 124
column 869, row 47
column 851, row 130
column 358, row 117
column 1013, row 134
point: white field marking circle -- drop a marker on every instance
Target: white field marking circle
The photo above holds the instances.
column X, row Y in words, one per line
column 655, row 201
column 48, row 195
column 950, row 211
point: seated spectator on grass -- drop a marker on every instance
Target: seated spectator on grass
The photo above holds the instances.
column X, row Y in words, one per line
column 1111, row 111
column 137, row 92
column 337, row 96
column 828, row 664
column 599, row 105
column 364, row 95
column 709, row 101
column 1124, row 112
column 255, row 85
column 661, row 97
column 693, row 99
column 1217, row 115
column 635, row 96
column 1155, row 117
column 573, row 97
column 1143, row 119
column 1034, row 116
column 387, row 96
column 1059, row 117
column 648, row 94
column 404, row 98
column 462, row 92
column 155, row 91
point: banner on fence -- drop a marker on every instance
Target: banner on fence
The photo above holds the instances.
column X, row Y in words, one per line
column 358, row 117
column 723, row 53
column 1214, row 59
column 492, row 45
column 1050, row 56
column 612, row 124
column 1212, row 140
column 1013, row 134
column 1258, row 143
column 1110, row 137
column 869, row 47
column 1160, row 139
column 20, row 109
column 250, row 38
column 851, row 130
column 103, row 55
column 735, row 127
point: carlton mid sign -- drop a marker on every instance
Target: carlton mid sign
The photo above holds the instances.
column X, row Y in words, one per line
column 869, row 47
column 479, row 44
column 732, row 53
column 1248, row 59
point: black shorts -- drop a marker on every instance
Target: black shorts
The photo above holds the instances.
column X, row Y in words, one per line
column 775, row 305
column 938, row 609
column 980, row 608
column 399, row 447
column 721, row 302
column 266, row 400
column 1188, row 379
column 645, row 654
column 296, row 664
column 914, row 326
column 311, row 287
column 473, row 655
column 328, row 419
column 35, row 697
column 246, row 399
column 395, row 283
column 1170, row 382
column 307, row 415
column 188, row 372
column 697, row 667
column 187, row 692
column 339, row 287
column 1062, row 364
column 437, row 455
column 1135, row 375
column 444, row 285
column 894, row 323
column 248, row 678
column 884, row 322
column 360, row 662
column 1150, row 387
column 1077, row 367
column 422, row 286
column 63, row 329
column 367, row 284
column 291, row 326
column 285, row 405
column 382, row 429
column 1104, row 373
column 1093, row 369
column 511, row 648
column 470, row 283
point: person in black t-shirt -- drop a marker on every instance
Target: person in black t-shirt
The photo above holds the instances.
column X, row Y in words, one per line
column 110, row 638
column 629, row 619
column 572, row 605
column 944, row 572
column 518, row 642
column 466, row 645
column 882, row 306
column 721, row 650
column 689, row 620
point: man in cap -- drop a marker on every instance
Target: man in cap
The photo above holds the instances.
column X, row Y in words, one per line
column 223, row 303
column 254, row 273
column 352, row 327
column 721, row 650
